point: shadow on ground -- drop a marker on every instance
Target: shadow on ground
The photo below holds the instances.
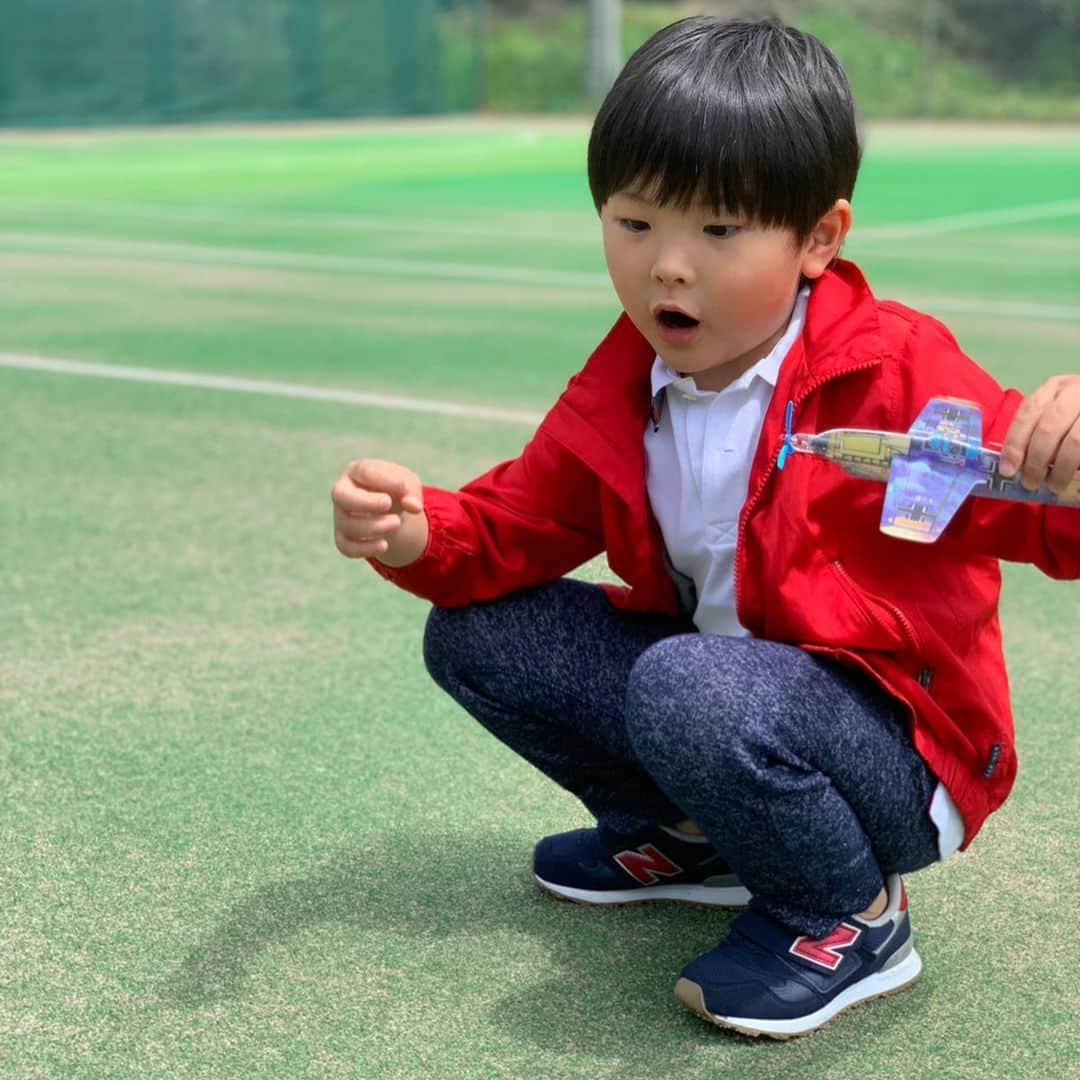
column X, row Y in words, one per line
column 610, row 972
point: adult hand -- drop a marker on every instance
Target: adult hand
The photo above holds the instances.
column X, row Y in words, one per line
column 1045, row 429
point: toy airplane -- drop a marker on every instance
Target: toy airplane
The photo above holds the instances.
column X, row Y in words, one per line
column 929, row 471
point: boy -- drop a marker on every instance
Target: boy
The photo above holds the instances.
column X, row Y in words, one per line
column 783, row 706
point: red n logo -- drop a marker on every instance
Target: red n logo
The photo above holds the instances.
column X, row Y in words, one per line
column 825, row 952
column 647, row 864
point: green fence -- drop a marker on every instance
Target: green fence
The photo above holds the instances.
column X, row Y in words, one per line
column 117, row 61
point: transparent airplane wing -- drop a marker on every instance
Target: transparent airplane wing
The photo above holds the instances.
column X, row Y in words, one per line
column 951, row 418
column 922, row 496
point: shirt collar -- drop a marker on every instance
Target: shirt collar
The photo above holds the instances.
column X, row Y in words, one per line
column 767, row 369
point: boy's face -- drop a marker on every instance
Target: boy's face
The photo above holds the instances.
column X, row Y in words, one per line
column 711, row 292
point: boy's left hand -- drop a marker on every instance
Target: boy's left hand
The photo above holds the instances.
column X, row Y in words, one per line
column 1045, row 429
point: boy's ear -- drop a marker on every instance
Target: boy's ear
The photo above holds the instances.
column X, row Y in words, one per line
column 825, row 239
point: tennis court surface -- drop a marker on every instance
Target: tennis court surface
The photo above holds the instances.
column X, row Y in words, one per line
column 241, row 833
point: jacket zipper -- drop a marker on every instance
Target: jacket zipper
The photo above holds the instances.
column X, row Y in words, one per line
column 752, row 502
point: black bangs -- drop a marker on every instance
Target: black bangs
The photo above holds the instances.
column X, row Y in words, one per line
column 742, row 115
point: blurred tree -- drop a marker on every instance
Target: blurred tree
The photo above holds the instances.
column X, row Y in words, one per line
column 1017, row 40
column 1029, row 40
column 516, row 7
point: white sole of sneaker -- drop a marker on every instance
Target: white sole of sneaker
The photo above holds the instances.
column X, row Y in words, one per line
column 709, row 895
column 880, row 984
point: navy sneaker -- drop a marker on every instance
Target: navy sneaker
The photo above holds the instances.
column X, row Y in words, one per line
column 598, row 866
column 765, row 979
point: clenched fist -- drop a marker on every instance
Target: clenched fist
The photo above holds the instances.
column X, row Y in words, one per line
column 379, row 512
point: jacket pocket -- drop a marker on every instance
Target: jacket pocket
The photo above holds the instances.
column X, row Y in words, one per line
column 883, row 618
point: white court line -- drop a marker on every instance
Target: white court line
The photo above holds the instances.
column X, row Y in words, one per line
column 300, row 260
column 1004, row 309
column 265, row 386
column 199, row 254
column 977, row 219
column 238, row 217
column 1050, row 259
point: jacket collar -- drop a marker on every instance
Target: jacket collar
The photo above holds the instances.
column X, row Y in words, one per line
column 842, row 329
column 590, row 419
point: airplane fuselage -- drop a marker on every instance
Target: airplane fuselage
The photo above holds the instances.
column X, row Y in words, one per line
column 955, row 452
column 869, row 454
column 929, row 471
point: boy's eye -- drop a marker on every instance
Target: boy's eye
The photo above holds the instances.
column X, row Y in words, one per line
column 724, row 232
column 632, row 224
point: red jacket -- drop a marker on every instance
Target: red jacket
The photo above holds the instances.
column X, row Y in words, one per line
column 812, row 567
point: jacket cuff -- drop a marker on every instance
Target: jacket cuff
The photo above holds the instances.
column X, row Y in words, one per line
column 427, row 570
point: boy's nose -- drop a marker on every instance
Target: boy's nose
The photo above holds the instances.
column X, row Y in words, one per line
column 671, row 269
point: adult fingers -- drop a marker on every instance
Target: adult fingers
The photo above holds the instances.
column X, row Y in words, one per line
column 1067, row 461
column 1049, row 438
column 1015, row 452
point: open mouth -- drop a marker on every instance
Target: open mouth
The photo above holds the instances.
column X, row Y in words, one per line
column 675, row 320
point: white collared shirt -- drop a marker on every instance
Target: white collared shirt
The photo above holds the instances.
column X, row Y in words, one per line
column 697, row 474
column 698, row 468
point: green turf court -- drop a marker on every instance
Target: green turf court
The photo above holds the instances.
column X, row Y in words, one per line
column 241, row 834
